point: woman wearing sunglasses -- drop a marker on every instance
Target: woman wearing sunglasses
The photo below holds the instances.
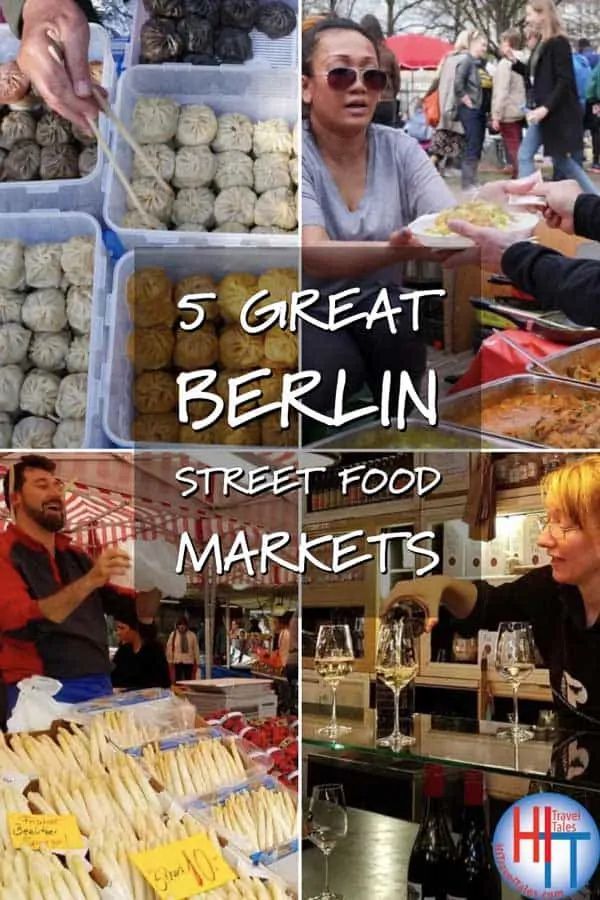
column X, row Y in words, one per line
column 361, row 185
column 561, row 600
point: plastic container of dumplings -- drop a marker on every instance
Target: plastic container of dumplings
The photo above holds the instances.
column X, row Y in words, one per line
column 37, row 227
column 178, row 262
column 256, row 763
column 281, row 53
column 257, row 93
column 204, row 812
column 81, row 194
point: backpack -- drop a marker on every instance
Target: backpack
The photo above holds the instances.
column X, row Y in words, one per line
column 583, row 74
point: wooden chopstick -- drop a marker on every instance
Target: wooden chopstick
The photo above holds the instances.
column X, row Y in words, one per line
column 120, row 173
column 128, row 137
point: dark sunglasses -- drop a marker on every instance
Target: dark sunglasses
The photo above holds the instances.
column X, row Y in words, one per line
column 343, row 77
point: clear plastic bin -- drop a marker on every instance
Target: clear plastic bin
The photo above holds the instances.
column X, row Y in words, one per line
column 81, row 194
column 178, row 262
column 258, row 94
column 281, row 53
column 37, row 227
column 204, row 812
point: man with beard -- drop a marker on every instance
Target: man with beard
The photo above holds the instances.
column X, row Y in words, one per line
column 53, row 597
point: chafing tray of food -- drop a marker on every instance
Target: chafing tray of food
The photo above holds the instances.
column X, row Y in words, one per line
column 579, row 365
column 530, row 409
column 417, row 436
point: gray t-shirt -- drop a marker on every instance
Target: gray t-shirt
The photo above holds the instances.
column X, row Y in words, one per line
column 402, row 184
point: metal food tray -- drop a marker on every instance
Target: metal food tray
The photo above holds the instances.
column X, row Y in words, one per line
column 451, row 408
column 419, row 436
column 552, row 324
column 559, row 362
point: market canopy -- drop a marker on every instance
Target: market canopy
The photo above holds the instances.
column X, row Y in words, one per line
column 115, row 497
column 418, row 51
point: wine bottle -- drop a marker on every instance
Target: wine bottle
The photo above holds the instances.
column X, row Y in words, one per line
column 474, row 874
column 433, row 851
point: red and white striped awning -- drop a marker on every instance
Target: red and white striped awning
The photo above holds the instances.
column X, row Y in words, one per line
column 116, row 496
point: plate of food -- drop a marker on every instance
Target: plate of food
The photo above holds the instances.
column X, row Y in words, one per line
column 432, row 230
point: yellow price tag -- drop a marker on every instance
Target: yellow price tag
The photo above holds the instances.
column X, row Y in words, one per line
column 184, row 868
column 52, row 832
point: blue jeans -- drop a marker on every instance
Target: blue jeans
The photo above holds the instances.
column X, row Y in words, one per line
column 473, row 121
column 569, row 167
column 532, row 138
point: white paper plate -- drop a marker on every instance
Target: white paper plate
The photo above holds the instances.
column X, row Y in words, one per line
column 522, row 226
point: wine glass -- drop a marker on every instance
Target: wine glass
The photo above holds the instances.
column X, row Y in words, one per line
column 328, row 823
column 515, row 661
column 396, row 666
column 334, row 658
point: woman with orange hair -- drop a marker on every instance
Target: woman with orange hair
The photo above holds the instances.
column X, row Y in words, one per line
column 561, row 600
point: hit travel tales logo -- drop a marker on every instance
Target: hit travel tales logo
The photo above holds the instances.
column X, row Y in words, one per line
column 547, row 845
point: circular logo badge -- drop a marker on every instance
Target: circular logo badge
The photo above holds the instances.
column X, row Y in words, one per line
column 546, row 845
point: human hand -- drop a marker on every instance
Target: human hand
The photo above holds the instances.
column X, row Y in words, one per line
column 147, row 604
column 490, row 245
column 405, row 239
column 500, row 191
column 111, row 563
column 426, row 592
column 537, row 115
column 466, row 101
column 65, row 88
column 560, row 197
column 496, row 124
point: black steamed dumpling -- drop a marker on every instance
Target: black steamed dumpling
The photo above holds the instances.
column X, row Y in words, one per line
column 238, row 13
column 233, row 45
column 276, row 19
column 199, row 59
column 160, row 41
column 206, row 9
column 171, row 9
column 197, row 35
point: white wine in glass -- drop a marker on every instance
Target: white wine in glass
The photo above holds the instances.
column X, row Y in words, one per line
column 396, row 666
column 328, row 823
column 515, row 661
column 334, row 659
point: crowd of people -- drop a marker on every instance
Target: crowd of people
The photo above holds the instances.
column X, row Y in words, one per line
column 542, row 92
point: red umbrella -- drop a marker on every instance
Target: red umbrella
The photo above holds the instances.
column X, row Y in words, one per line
column 418, row 51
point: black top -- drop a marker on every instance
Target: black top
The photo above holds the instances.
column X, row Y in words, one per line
column 553, row 86
column 569, row 649
column 77, row 646
column 146, row 668
column 557, row 281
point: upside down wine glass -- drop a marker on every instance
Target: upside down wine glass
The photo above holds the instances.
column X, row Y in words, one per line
column 515, row 661
column 396, row 666
column 328, row 823
column 334, row 658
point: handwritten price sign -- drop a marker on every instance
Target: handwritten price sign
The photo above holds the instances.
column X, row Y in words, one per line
column 52, row 832
column 184, row 868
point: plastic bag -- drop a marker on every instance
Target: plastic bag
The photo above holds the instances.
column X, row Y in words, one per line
column 36, row 708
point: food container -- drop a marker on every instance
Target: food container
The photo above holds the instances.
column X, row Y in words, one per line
column 457, row 409
column 155, row 709
column 255, row 763
column 81, row 194
column 281, row 53
column 418, row 436
column 257, row 94
column 204, row 813
column 582, row 354
column 178, row 263
column 37, row 227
